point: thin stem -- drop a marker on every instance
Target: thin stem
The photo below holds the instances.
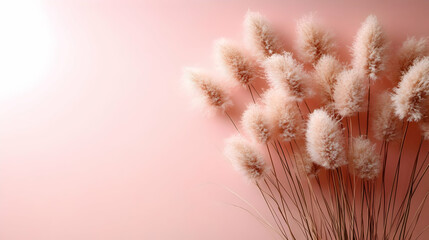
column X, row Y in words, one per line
column 306, row 105
column 367, row 114
column 394, row 188
column 299, row 109
column 358, row 119
column 251, row 94
column 232, row 121
column 256, row 91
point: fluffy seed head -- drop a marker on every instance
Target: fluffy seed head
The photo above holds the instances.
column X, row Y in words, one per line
column 369, row 48
column 245, row 157
column 386, row 125
column 234, row 62
column 349, row 93
column 411, row 50
column 325, row 73
column 208, row 92
column 285, row 73
column 313, row 41
column 283, row 115
column 411, row 97
column 325, row 141
column 256, row 124
column 306, row 166
column 364, row 161
column 260, row 36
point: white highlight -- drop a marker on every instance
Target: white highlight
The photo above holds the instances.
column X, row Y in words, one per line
column 26, row 47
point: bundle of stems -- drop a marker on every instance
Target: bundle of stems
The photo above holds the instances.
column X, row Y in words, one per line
column 333, row 169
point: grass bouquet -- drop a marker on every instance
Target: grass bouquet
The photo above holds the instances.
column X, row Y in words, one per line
column 325, row 141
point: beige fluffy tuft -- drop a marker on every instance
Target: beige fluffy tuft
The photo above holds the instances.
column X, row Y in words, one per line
column 411, row 50
column 256, row 124
column 386, row 125
column 283, row 115
column 260, row 36
column 285, row 73
column 364, row 161
column 411, row 96
column 207, row 91
column 325, row 141
column 235, row 63
column 245, row 157
column 325, row 73
column 369, row 48
column 312, row 40
column 349, row 93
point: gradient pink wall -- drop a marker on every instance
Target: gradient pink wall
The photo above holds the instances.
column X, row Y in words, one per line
column 105, row 146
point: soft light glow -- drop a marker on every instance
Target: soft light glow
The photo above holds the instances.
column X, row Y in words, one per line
column 25, row 47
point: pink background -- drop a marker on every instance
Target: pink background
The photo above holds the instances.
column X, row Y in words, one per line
column 105, row 144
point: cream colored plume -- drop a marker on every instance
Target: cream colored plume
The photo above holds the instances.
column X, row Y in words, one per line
column 325, row 140
column 234, row 62
column 411, row 50
column 256, row 124
column 325, row 74
column 207, row 91
column 260, row 36
column 364, row 161
column 386, row 125
column 285, row 73
column 312, row 40
column 369, row 48
column 283, row 115
column 245, row 157
column 411, row 96
column 349, row 93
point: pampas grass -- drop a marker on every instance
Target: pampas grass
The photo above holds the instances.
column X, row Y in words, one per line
column 386, row 125
column 412, row 50
column 308, row 167
column 364, row 161
column 245, row 157
column 260, row 36
column 208, row 93
column 284, row 117
column 326, row 72
column 323, row 177
column 325, row 141
column 349, row 92
column 312, row 40
column 285, row 73
column 256, row 124
column 412, row 94
column 235, row 63
column 369, row 48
